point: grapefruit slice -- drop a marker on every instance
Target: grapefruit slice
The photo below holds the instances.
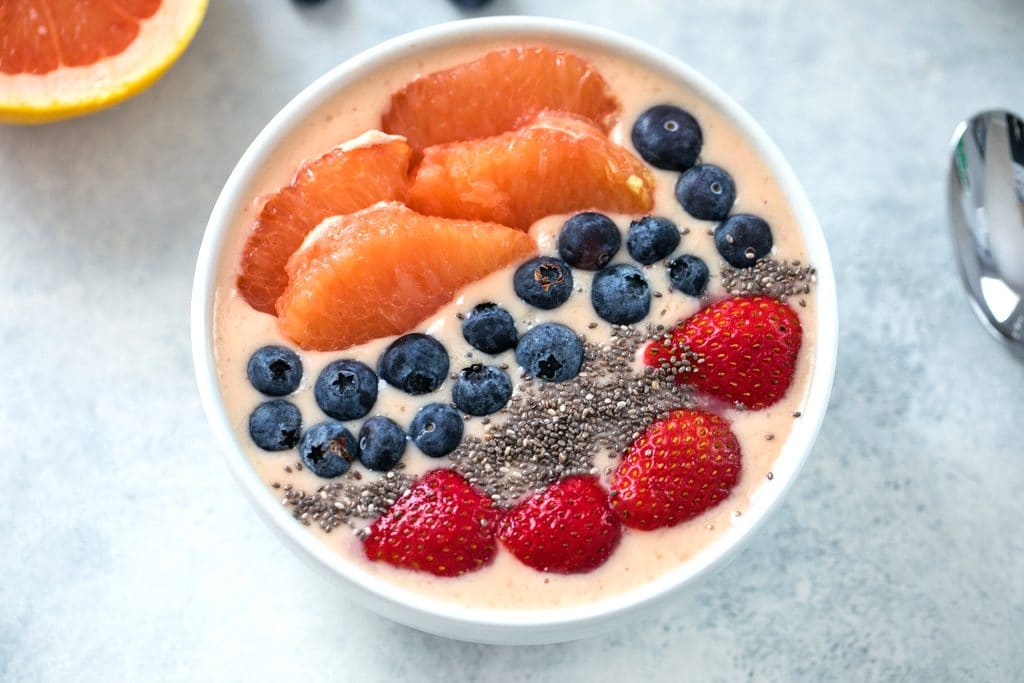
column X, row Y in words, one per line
column 556, row 164
column 497, row 93
column 62, row 58
column 371, row 168
column 383, row 270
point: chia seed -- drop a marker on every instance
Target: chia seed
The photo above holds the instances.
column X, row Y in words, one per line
column 769, row 277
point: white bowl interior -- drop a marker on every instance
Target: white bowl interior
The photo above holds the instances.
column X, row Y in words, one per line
column 486, row 625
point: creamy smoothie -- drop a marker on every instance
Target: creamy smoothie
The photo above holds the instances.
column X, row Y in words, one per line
column 506, row 583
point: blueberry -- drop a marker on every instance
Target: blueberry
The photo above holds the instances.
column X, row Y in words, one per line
column 415, row 363
column 621, row 295
column 550, row 351
column 470, row 4
column 706, row 192
column 743, row 239
column 328, row 449
column 481, row 390
column 651, row 239
column 346, row 389
column 668, row 137
column 489, row 328
column 688, row 274
column 436, row 430
column 275, row 425
column 544, row 282
column 381, row 444
column 274, row 370
column 589, row 240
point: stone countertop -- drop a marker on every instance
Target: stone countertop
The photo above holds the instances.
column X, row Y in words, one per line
column 129, row 554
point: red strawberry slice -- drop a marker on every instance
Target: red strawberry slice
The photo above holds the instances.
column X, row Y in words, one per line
column 748, row 345
column 567, row 529
column 680, row 467
column 442, row 526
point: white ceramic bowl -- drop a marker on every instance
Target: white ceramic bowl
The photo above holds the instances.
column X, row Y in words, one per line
column 497, row 626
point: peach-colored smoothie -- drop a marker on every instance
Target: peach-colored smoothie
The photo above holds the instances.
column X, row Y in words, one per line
column 506, row 583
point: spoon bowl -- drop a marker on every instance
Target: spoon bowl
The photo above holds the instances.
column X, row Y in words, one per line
column 986, row 215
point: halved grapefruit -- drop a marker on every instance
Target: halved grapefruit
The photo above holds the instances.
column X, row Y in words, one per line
column 63, row 58
column 383, row 270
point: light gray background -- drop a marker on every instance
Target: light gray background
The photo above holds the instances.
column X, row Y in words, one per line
column 128, row 554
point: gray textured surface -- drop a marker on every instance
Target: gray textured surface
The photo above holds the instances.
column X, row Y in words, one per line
column 126, row 553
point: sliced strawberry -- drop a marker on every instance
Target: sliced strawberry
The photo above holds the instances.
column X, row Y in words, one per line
column 567, row 529
column 442, row 526
column 746, row 350
column 680, row 467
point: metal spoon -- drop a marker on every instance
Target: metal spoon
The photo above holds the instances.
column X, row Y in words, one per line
column 986, row 213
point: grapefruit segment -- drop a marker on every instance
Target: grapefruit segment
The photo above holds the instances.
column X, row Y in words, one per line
column 383, row 270
column 352, row 176
column 61, row 58
column 497, row 93
column 556, row 164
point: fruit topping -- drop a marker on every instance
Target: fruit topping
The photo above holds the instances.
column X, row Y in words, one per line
column 497, row 93
column 489, row 328
column 651, row 239
column 680, row 467
column 589, row 240
column 442, row 526
column 555, row 164
column 747, row 349
column 706, row 192
column 275, row 425
column 381, row 444
column 569, row 528
column 381, row 271
column 621, row 295
column 550, row 351
column 688, row 274
column 274, row 370
column 543, row 282
column 415, row 363
column 346, row 389
column 328, row 449
column 481, row 390
column 667, row 137
column 743, row 239
column 348, row 178
column 436, row 430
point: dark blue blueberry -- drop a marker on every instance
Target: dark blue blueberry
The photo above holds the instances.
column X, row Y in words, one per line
column 668, row 137
column 328, row 449
column 589, row 240
column 274, row 370
column 743, row 239
column 470, row 4
column 346, row 389
column 688, row 274
column 621, row 295
column 436, row 430
column 651, row 239
column 706, row 192
column 544, row 282
column 381, row 444
column 275, row 425
column 481, row 390
column 551, row 352
column 415, row 363
column 489, row 328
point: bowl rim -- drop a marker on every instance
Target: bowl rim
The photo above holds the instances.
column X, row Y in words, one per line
column 414, row 608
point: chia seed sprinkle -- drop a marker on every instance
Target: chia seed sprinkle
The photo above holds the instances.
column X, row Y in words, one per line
column 769, row 277
column 346, row 500
column 552, row 430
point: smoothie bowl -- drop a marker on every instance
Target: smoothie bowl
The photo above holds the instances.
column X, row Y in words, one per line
column 515, row 327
